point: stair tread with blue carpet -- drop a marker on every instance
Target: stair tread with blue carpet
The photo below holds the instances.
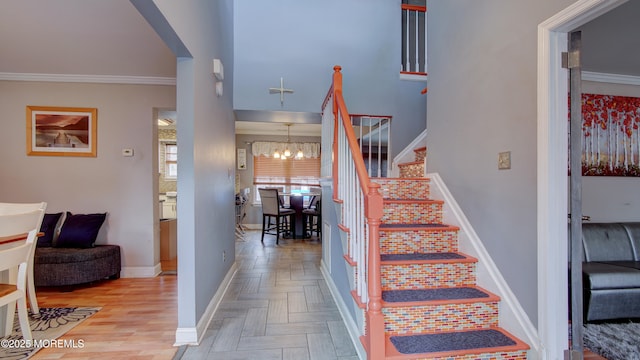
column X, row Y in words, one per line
column 456, row 293
column 449, row 343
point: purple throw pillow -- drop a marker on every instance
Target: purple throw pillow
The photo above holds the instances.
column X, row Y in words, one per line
column 80, row 230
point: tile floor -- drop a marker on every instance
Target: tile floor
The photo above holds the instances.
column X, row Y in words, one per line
column 278, row 306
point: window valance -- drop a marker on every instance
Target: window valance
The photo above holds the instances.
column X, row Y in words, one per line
column 268, row 148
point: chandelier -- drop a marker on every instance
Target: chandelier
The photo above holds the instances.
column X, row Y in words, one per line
column 286, row 154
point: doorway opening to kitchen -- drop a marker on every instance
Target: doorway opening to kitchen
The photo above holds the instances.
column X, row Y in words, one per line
column 167, row 189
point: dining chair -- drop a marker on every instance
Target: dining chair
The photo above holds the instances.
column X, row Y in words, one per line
column 15, row 255
column 273, row 215
column 18, row 208
column 313, row 216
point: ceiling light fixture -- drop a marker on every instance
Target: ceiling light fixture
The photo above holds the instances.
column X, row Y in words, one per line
column 287, row 153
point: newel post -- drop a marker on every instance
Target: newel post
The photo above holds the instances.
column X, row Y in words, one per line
column 375, row 318
column 336, row 88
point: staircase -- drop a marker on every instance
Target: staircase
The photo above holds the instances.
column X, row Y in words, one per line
column 417, row 293
column 431, row 304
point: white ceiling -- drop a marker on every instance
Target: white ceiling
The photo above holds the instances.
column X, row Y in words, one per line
column 98, row 37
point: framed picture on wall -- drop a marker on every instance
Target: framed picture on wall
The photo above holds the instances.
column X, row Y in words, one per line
column 242, row 159
column 61, row 131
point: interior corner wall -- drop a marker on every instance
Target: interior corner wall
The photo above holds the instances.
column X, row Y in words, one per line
column 109, row 182
column 611, row 198
column 206, row 157
column 482, row 101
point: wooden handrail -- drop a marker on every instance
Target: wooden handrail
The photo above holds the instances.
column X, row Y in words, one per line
column 371, row 116
column 373, row 210
column 414, row 7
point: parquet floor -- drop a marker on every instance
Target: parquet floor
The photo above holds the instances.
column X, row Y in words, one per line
column 277, row 307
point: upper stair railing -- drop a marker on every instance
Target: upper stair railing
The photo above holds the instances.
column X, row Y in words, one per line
column 414, row 44
column 374, row 136
column 362, row 209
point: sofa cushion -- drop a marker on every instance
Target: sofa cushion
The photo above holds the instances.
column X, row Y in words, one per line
column 633, row 229
column 606, row 242
column 48, row 228
column 80, row 230
column 627, row 264
column 54, row 255
column 598, row 275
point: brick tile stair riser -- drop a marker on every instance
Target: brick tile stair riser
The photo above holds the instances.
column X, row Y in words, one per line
column 427, row 276
column 403, row 189
column 429, row 317
column 411, row 170
column 434, row 318
column 418, row 241
column 412, row 213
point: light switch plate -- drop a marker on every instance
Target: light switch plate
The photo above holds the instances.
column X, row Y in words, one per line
column 504, row 160
column 127, row 152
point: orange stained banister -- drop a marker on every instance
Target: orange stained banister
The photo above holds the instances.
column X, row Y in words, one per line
column 375, row 318
column 361, row 169
column 336, row 86
column 373, row 211
column 414, row 7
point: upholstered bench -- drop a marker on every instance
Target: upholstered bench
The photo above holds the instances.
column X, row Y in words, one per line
column 67, row 255
column 72, row 266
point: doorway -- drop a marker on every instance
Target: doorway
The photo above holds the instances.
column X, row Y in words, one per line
column 552, row 170
column 167, row 193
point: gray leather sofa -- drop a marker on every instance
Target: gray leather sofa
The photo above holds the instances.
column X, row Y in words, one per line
column 611, row 270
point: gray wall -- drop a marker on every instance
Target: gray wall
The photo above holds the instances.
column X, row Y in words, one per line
column 120, row 186
column 301, row 41
column 482, row 101
column 199, row 31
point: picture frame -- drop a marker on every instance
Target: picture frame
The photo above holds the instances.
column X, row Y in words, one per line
column 61, row 131
column 610, row 135
column 242, row 159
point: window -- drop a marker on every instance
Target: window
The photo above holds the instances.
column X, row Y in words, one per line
column 414, row 38
column 290, row 175
column 170, row 161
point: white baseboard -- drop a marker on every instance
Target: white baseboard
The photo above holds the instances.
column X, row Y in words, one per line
column 512, row 316
column 352, row 327
column 193, row 335
column 140, row 271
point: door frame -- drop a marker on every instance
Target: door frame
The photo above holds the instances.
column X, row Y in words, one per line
column 552, row 172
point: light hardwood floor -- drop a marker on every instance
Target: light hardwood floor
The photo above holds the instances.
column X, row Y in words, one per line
column 277, row 307
column 137, row 321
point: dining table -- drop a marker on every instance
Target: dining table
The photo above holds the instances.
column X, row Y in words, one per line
column 296, row 202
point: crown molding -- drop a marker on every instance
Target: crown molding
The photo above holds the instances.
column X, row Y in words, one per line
column 101, row 79
column 611, row 78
